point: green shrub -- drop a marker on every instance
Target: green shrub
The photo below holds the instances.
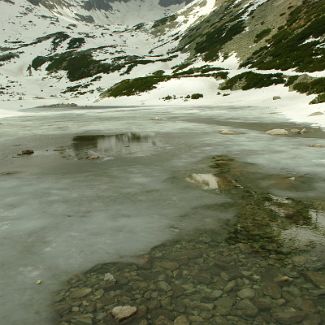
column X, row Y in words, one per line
column 130, row 87
column 164, row 21
column 302, row 87
column 58, row 39
column 315, row 86
column 181, row 66
column 200, row 70
column 80, row 65
column 319, row 99
column 158, row 73
column 262, row 34
column 251, row 80
column 196, row 96
column 39, row 61
column 76, row 43
column 214, row 40
column 291, row 80
column 291, row 47
column 8, row 56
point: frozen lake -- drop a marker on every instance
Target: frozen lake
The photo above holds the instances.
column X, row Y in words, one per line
column 108, row 184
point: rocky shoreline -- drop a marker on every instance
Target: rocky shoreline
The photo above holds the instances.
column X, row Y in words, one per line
column 251, row 276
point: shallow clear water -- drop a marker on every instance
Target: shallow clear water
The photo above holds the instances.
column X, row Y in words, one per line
column 109, row 184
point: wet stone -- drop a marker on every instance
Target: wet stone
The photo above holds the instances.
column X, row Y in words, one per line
column 246, row 293
column 289, row 317
column 224, row 305
column 263, row 303
column 272, row 290
column 123, row 312
column 162, row 320
column 82, row 320
column 317, row 278
column 109, row 277
column 216, row 294
column 80, row 292
column 230, row 286
column 247, row 308
column 162, row 285
column 181, row 320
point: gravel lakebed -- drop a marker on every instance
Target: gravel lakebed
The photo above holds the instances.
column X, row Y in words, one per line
column 252, row 273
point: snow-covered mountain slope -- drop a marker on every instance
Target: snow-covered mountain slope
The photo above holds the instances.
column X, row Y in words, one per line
column 125, row 12
column 76, row 59
column 48, row 55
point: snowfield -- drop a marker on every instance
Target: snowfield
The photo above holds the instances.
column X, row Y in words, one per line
column 115, row 38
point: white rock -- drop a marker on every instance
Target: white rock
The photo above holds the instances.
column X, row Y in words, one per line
column 317, row 145
column 206, row 181
column 78, row 293
column 93, row 157
column 295, row 131
column 123, row 312
column 228, row 132
column 109, row 277
column 303, row 131
column 277, row 132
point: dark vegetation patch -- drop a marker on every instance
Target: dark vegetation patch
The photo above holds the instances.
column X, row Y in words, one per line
column 200, row 70
column 196, row 96
column 319, row 99
column 81, row 64
column 78, row 65
column 8, row 56
column 214, row 32
column 163, row 21
column 291, row 80
column 217, row 38
column 311, row 86
column 159, row 73
column 262, row 35
column 135, row 63
column 76, row 43
column 138, row 26
column 130, row 87
column 296, row 45
column 181, row 66
column 76, row 88
column 250, row 80
column 58, row 39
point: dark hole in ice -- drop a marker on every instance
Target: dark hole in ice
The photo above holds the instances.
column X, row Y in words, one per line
column 106, row 146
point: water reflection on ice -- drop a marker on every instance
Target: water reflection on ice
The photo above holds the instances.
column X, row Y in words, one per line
column 104, row 146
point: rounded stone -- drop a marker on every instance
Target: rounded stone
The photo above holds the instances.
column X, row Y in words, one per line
column 123, row 312
column 246, row 293
column 181, row 320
